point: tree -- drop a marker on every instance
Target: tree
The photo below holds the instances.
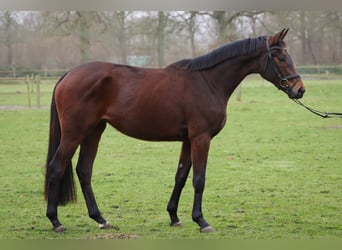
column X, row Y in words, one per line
column 35, row 39
column 160, row 37
column 191, row 27
column 226, row 23
column 70, row 23
column 84, row 26
column 120, row 18
column 8, row 25
column 332, row 28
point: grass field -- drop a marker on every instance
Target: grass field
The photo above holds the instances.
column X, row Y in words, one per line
column 274, row 172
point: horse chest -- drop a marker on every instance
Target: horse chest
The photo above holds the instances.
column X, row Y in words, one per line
column 210, row 119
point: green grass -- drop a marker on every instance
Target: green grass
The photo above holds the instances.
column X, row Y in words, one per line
column 15, row 93
column 273, row 172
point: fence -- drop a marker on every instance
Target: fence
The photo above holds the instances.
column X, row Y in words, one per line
column 19, row 72
column 311, row 71
column 321, row 71
column 33, row 77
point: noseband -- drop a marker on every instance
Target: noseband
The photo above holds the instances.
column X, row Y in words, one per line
column 283, row 81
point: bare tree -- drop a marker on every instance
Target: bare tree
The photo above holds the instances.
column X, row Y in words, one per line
column 70, row 23
column 8, row 25
column 332, row 28
column 190, row 25
column 121, row 21
column 226, row 23
column 160, row 37
column 65, row 38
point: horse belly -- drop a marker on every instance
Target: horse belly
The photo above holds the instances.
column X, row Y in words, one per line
column 152, row 123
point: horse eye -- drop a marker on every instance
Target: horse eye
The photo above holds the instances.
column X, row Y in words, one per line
column 281, row 59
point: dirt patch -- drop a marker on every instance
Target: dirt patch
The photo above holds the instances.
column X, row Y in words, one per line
column 18, row 107
column 333, row 127
column 121, row 236
column 12, row 107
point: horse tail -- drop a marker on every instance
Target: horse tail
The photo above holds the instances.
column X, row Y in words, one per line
column 67, row 190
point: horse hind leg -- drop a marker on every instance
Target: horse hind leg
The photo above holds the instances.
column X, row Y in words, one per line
column 84, row 168
column 61, row 188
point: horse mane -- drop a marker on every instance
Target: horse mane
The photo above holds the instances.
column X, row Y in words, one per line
column 220, row 54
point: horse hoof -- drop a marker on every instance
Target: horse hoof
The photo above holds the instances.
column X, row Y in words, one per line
column 106, row 225
column 207, row 229
column 59, row 229
column 177, row 224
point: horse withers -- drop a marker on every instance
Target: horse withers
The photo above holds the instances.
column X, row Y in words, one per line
column 185, row 101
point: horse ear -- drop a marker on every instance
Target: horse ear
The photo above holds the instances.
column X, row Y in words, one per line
column 273, row 40
column 283, row 33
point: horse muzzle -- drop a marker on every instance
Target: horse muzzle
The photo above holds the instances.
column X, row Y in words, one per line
column 292, row 85
column 297, row 90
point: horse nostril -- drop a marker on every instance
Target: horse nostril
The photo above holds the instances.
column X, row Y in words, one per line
column 300, row 92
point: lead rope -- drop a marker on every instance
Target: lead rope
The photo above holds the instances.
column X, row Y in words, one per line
column 319, row 113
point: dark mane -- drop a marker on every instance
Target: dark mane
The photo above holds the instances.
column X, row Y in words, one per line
column 218, row 55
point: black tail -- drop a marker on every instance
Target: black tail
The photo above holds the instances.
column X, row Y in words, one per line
column 67, row 186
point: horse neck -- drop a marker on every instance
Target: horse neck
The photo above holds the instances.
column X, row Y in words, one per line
column 226, row 76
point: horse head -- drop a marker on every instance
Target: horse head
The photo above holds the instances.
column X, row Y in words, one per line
column 279, row 68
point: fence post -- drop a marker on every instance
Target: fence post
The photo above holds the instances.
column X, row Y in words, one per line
column 14, row 74
column 27, row 80
column 238, row 93
column 37, row 81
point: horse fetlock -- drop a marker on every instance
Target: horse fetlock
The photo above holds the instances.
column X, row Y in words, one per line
column 97, row 217
column 105, row 225
column 207, row 229
column 176, row 224
column 59, row 229
column 197, row 217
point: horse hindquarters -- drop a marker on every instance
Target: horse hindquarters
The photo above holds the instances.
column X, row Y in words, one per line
column 74, row 121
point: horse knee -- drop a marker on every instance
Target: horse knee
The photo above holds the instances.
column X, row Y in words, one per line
column 197, row 215
column 180, row 181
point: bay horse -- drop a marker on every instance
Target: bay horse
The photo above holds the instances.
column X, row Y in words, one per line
column 185, row 101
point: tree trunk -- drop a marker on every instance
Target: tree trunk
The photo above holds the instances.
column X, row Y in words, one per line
column 192, row 30
column 160, row 38
column 121, row 15
column 8, row 23
column 84, row 37
column 303, row 35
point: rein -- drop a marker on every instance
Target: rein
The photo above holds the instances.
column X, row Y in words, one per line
column 317, row 112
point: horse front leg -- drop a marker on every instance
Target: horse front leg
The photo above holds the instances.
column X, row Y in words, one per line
column 199, row 151
column 184, row 166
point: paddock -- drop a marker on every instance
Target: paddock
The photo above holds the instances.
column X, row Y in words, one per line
column 274, row 172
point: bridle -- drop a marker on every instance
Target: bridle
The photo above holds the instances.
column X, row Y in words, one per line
column 282, row 81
